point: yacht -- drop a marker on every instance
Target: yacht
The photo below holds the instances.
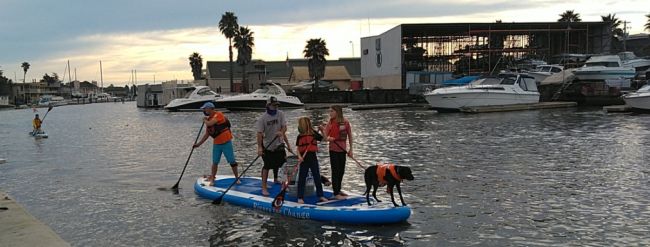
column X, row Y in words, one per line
column 257, row 100
column 49, row 100
column 639, row 100
column 194, row 98
column 546, row 70
column 505, row 89
column 604, row 68
column 640, row 65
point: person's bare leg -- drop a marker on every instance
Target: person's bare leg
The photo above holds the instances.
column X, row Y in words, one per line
column 213, row 174
column 265, row 176
column 236, row 173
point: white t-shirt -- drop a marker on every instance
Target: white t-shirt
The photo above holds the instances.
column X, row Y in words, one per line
column 270, row 125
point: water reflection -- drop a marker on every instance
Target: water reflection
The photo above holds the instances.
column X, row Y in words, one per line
column 554, row 177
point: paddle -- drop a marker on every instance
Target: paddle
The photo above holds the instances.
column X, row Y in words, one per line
column 175, row 187
column 217, row 200
column 49, row 108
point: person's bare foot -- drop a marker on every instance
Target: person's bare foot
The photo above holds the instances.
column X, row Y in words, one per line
column 300, row 201
column 265, row 192
column 323, row 199
column 238, row 181
column 340, row 197
column 343, row 193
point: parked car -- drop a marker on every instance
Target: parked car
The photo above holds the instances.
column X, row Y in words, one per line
column 306, row 86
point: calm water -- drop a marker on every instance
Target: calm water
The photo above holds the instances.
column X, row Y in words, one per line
column 535, row 178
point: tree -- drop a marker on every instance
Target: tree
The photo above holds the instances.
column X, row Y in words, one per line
column 228, row 27
column 25, row 66
column 5, row 85
column 614, row 24
column 647, row 23
column 196, row 62
column 244, row 42
column 54, row 78
column 569, row 16
column 316, row 50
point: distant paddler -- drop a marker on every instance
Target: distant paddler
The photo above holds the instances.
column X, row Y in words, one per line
column 36, row 123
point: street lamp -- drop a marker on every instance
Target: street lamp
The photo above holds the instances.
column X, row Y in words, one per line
column 352, row 46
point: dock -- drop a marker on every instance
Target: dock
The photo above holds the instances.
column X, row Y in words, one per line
column 518, row 107
column 617, row 108
column 314, row 106
column 379, row 106
column 19, row 228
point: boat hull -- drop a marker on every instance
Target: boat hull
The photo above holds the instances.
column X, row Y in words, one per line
column 604, row 74
column 641, row 102
column 254, row 104
column 456, row 101
column 353, row 210
column 189, row 105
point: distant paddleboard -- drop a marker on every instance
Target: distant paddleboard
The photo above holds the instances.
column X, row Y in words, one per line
column 353, row 210
column 40, row 134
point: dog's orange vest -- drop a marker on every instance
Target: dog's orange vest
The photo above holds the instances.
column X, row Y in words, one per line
column 381, row 173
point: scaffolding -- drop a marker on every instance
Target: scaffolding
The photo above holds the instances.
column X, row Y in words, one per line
column 479, row 48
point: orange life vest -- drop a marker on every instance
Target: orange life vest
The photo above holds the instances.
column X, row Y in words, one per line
column 307, row 143
column 381, row 173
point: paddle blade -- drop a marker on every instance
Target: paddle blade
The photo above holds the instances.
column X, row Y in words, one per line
column 218, row 200
column 278, row 201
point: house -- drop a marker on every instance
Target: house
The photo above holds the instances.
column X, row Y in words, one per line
column 149, row 96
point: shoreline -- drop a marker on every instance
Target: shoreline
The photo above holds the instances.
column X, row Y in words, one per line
column 19, row 228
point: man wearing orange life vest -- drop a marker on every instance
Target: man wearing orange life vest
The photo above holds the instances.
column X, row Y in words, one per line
column 218, row 127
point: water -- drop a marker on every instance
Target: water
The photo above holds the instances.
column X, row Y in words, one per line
column 535, row 178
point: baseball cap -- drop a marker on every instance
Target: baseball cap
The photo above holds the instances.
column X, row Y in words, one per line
column 207, row 105
column 272, row 100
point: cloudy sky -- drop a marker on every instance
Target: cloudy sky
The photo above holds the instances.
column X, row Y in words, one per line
column 155, row 37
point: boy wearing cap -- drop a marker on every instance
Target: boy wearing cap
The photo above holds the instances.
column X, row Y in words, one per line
column 218, row 127
column 271, row 140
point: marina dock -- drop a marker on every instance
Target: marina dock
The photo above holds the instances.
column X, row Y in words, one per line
column 520, row 107
column 617, row 108
column 379, row 106
column 19, row 228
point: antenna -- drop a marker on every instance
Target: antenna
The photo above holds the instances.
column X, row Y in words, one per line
column 625, row 35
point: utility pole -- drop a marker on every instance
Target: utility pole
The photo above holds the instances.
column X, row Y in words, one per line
column 352, row 46
column 101, row 75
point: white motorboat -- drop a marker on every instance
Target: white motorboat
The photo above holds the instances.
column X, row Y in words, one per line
column 193, row 99
column 506, row 89
column 640, row 99
column 257, row 100
column 604, row 68
column 49, row 100
column 640, row 65
column 544, row 71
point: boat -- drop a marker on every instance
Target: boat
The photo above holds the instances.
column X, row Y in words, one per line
column 353, row 210
column 504, row 89
column 39, row 134
column 257, row 100
column 543, row 71
column 639, row 100
column 49, row 100
column 194, row 98
column 604, row 68
column 640, row 65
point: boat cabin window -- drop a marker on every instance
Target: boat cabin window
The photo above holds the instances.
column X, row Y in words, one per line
column 486, row 81
column 528, row 84
column 605, row 64
column 508, row 81
column 205, row 92
column 188, row 93
column 268, row 90
column 555, row 70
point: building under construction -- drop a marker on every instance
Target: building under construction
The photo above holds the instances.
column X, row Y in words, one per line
column 412, row 54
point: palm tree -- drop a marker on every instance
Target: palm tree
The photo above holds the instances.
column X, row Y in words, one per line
column 316, row 50
column 244, row 42
column 569, row 16
column 614, row 24
column 25, row 66
column 228, row 27
column 647, row 23
column 196, row 62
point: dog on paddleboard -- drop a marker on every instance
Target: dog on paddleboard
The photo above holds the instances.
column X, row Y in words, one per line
column 386, row 175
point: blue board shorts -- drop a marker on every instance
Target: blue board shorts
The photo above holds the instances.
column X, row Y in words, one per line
column 227, row 150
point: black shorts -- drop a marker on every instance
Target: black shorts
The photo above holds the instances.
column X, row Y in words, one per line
column 274, row 159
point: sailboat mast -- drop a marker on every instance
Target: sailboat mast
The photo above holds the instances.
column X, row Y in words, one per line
column 101, row 75
column 70, row 76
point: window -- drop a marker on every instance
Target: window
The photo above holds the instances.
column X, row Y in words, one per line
column 555, row 70
column 377, row 44
column 205, row 91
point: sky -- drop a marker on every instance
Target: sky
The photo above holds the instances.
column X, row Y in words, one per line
column 156, row 37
